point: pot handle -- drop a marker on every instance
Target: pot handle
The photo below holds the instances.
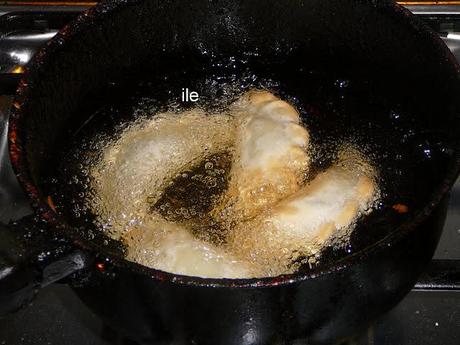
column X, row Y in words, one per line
column 442, row 275
column 30, row 259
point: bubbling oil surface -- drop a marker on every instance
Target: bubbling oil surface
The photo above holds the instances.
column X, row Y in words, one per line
column 338, row 112
column 194, row 192
column 134, row 170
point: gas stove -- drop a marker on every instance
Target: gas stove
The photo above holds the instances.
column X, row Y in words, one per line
column 429, row 315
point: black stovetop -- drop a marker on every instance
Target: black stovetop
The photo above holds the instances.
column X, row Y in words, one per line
column 429, row 315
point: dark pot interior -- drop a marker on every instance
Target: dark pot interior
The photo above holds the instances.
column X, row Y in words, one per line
column 375, row 46
column 97, row 59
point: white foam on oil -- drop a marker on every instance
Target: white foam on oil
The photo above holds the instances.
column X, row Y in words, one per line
column 143, row 160
column 270, row 219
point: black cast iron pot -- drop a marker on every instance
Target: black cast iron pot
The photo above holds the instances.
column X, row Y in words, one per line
column 125, row 40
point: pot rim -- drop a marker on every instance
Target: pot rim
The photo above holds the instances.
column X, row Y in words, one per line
column 44, row 211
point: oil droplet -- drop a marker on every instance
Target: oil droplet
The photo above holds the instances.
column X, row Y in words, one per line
column 342, row 84
column 427, row 153
column 394, row 115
